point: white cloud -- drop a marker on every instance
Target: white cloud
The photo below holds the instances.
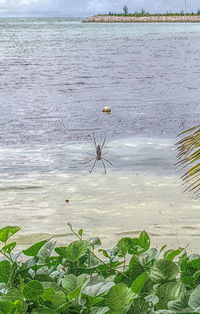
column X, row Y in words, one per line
column 87, row 7
column 99, row 6
column 17, row 3
column 103, row 5
column 18, row 7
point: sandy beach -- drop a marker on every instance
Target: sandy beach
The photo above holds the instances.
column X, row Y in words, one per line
column 143, row 19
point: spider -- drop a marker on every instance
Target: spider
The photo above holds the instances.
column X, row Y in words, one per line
column 98, row 155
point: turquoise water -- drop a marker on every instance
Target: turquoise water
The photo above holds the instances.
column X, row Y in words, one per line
column 56, row 76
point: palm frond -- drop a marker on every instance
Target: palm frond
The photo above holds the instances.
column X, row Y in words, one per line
column 189, row 157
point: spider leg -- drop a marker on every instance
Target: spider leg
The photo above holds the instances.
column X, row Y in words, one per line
column 104, row 166
column 95, row 144
column 93, row 165
column 103, row 142
column 105, row 153
column 107, row 161
column 90, row 154
column 88, row 160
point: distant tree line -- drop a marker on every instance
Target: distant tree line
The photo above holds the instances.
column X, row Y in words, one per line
column 142, row 12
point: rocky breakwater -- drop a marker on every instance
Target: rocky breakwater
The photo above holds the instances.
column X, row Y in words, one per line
column 143, row 19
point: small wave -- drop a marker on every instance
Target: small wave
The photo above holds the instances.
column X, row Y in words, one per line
column 18, row 188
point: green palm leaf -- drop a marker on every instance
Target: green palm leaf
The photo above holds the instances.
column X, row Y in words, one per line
column 189, row 158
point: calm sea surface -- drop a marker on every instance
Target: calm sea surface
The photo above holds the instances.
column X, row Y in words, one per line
column 56, row 75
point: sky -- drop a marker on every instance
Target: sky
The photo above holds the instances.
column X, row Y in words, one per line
column 89, row 7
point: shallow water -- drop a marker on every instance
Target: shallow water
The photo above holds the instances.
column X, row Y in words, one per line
column 141, row 190
column 56, row 75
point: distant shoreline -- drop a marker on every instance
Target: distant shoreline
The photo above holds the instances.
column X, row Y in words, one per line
column 143, row 19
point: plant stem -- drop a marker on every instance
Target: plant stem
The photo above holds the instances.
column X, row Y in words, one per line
column 119, row 272
column 124, row 264
column 8, row 257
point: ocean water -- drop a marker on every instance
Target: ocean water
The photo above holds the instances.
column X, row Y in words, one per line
column 56, row 75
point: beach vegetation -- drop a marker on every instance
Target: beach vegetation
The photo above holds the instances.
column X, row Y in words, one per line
column 143, row 12
column 189, row 159
column 81, row 277
column 125, row 9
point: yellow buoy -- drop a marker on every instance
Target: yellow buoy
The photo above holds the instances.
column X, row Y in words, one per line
column 107, row 110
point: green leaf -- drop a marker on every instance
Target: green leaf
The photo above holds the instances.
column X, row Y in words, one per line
column 139, row 306
column 15, row 256
column 139, row 283
column 74, row 294
column 9, row 247
column 69, row 282
column 65, row 308
column 7, row 232
column 61, row 250
column 98, row 289
column 74, row 251
column 163, row 247
column 29, row 263
column 135, row 268
column 96, row 242
column 105, row 253
column 80, row 232
column 95, row 300
column 163, row 270
column 53, row 285
column 92, row 261
column 20, row 306
column 43, row 277
column 48, row 294
column 14, row 294
column 45, row 251
column 195, row 263
column 169, row 292
column 99, row 310
column 7, row 307
column 152, row 299
column 139, row 245
column 134, row 247
column 188, row 281
column 123, row 246
column 180, row 305
column 73, row 284
column 32, row 290
column 34, row 249
column 171, row 254
column 44, row 310
column 5, row 271
column 194, row 300
column 119, row 299
column 144, row 241
column 148, row 257
column 59, row 299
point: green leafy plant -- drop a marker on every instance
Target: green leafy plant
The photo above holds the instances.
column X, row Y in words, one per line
column 80, row 277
